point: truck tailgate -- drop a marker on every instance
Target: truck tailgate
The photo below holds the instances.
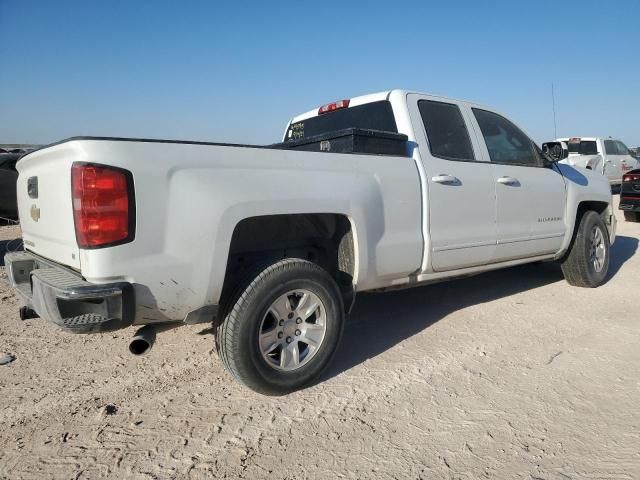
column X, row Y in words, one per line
column 44, row 204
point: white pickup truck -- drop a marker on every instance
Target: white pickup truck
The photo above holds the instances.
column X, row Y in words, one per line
column 272, row 243
column 610, row 157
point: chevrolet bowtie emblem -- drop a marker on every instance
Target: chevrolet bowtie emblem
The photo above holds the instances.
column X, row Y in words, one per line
column 35, row 213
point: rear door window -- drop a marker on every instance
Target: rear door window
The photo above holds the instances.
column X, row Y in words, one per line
column 506, row 143
column 446, row 130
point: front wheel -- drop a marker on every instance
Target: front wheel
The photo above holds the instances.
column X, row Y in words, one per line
column 283, row 328
column 587, row 262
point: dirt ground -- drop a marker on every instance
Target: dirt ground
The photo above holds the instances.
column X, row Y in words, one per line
column 511, row 374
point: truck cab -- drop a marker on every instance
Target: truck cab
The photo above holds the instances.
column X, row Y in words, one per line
column 491, row 196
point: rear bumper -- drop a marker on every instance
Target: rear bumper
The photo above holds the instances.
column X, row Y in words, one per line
column 629, row 204
column 64, row 298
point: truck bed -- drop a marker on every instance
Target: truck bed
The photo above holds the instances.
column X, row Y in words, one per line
column 189, row 198
column 380, row 148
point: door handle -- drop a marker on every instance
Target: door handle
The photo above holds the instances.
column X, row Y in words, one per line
column 508, row 181
column 444, row 178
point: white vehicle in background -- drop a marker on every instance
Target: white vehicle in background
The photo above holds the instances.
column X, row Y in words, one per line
column 610, row 157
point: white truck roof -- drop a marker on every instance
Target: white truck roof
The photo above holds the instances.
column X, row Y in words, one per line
column 589, row 139
column 375, row 97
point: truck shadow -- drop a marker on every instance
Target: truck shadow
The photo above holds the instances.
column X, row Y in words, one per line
column 381, row 320
column 622, row 250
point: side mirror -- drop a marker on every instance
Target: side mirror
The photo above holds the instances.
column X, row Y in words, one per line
column 555, row 151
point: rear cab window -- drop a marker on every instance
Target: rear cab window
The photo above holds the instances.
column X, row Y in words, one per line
column 370, row 116
column 582, row 147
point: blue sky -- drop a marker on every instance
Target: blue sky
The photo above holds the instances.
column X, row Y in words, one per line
column 236, row 71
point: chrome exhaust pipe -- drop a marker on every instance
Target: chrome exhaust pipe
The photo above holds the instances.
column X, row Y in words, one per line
column 145, row 337
column 143, row 340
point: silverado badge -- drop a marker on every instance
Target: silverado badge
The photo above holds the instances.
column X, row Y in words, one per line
column 35, row 213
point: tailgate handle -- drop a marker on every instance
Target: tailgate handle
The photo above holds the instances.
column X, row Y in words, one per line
column 32, row 187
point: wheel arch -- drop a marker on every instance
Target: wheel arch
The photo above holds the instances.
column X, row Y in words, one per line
column 599, row 206
column 328, row 239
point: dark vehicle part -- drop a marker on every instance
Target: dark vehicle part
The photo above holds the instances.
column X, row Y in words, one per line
column 8, row 179
column 630, row 196
column 351, row 140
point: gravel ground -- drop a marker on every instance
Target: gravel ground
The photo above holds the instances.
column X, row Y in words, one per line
column 511, row 374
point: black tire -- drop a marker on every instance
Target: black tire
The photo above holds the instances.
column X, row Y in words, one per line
column 577, row 266
column 237, row 336
column 632, row 216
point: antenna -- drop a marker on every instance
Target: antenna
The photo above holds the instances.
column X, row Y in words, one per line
column 553, row 103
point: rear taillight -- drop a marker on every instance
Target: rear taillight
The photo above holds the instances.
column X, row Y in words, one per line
column 103, row 205
column 630, row 178
column 330, row 107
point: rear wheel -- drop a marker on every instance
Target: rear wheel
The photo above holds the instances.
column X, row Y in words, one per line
column 632, row 216
column 587, row 262
column 283, row 327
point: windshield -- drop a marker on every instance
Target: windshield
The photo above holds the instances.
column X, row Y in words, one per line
column 583, row 147
column 374, row 116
